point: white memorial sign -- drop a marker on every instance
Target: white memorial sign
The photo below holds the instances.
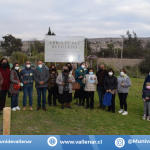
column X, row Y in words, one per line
column 64, row 48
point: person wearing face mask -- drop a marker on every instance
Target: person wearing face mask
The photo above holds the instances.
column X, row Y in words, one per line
column 1, row 82
column 64, row 81
column 146, row 100
column 90, row 80
column 14, row 79
column 71, row 70
column 101, row 74
column 147, row 79
column 110, row 84
column 123, row 89
column 79, row 76
column 52, row 86
column 41, row 76
column 5, row 71
column 27, row 80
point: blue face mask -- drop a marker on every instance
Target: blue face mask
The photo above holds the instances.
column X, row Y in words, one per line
column 90, row 73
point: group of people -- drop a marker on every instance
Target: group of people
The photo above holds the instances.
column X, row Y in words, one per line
column 61, row 86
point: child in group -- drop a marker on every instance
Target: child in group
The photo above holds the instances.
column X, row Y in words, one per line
column 146, row 99
column 90, row 80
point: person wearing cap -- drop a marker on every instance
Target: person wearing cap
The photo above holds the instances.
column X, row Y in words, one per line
column 79, row 76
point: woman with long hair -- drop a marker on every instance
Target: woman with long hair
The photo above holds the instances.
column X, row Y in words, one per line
column 5, row 71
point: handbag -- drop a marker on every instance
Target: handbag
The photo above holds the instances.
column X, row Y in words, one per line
column 76, row 86
column 107, row 99
column 114, row 92
column 16, row 86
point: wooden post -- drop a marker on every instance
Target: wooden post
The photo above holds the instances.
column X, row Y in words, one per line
column 6, row 120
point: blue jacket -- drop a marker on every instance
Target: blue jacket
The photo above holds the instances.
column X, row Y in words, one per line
column 27, row 75
column 147, row 79
column 80, row 72
column 146, row 94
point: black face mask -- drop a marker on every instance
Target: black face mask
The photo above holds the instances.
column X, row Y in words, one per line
column 53, row 69
column 101, row 70
column 66, row 70
column 4, row 65
column 70, row 68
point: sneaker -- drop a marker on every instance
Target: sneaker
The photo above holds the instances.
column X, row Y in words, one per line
column 148, row 118
column 120, row 111
column 144, row 117
column 13, row 109
column 125, row 113
column 17, row 108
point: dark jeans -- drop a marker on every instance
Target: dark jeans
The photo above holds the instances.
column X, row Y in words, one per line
column 53, row 92
column 123, row 100
column 90, row 95
column 27, row 90
column 112, row 107
column 43, row 91
column 14, row 100
column 101, row 95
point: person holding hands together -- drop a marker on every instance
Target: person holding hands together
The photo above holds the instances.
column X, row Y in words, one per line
column 110, row 85
column 64, row 81
column 90, row 80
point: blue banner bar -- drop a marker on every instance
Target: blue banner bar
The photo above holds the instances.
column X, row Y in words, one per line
column 75, row 142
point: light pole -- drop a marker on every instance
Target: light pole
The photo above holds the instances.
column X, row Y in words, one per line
column 122, row 46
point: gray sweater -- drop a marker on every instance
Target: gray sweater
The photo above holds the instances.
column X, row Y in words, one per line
column 59, row 81
column 127, row 83
column 13, row 76
column 41, row 76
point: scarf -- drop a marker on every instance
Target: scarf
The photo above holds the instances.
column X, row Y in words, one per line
column 40, row 69
column 65, row 80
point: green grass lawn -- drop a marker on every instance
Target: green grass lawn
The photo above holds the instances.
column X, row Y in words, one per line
column 80, row 121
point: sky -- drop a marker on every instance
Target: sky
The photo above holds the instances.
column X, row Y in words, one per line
column 28, row 19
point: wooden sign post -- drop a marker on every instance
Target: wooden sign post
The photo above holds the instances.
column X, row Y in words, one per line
column 6, row 120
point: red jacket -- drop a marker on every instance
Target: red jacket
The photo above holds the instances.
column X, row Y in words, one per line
column 6, row 78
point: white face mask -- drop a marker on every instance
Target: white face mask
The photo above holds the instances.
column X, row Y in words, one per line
column 110, row 73
column 83, row 66
column 122, row 73
column 40, row 66
column 28, row 66
column 16, row 68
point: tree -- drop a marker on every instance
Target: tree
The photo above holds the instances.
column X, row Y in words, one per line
column 37, row 46
column 110, row 46
column 19, row 57
column 1, row 55
column 132, row 47
column 49, row 32
column 87, row 48
column 11, row 44
column 147, row 45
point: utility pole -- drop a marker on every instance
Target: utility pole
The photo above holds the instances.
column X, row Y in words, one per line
column 122, row 46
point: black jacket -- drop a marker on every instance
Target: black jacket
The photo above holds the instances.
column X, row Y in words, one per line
column 98, row 74
column 110, row 83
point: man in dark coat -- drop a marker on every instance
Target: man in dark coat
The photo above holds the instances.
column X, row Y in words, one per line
column 101, row 74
